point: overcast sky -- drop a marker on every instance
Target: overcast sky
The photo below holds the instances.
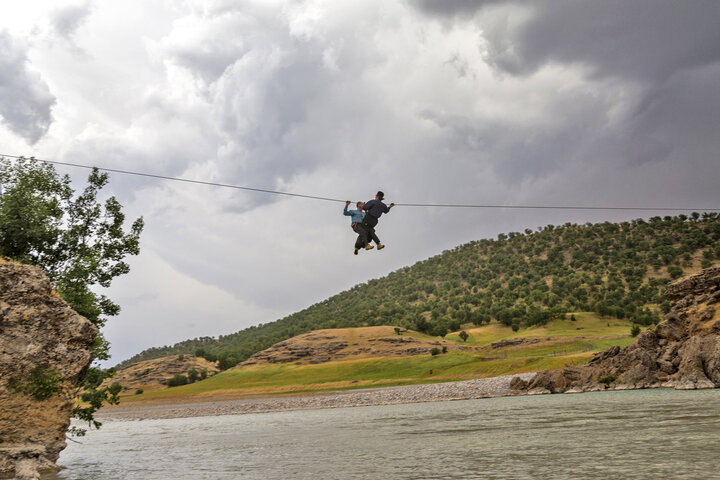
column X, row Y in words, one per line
column 575, row 102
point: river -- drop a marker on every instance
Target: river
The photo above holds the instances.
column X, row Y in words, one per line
column 642, row 434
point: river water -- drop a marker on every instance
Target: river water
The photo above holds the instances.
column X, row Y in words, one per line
column 644, row 434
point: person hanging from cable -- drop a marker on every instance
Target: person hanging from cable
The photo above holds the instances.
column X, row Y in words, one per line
column 373, row 210
column 355, row 223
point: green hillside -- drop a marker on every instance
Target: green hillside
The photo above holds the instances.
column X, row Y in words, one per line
column 487, row 351
column 519, row 279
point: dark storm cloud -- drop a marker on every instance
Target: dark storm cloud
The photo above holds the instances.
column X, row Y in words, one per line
column 645, row 39
column 65, row 21
column 261, row 83
column 679, row 120
column 25, row 100
column 452, row 7
column 517, row 152
column 666, row 53
column 648, row 39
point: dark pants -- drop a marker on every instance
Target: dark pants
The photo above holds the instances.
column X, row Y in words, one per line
column 364, row 236
column 366, row 231
column 369, row 221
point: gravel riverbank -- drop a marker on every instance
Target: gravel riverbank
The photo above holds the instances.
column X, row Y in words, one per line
column 436, row 392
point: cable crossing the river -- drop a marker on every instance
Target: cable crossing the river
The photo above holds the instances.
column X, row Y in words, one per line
column 337, row 200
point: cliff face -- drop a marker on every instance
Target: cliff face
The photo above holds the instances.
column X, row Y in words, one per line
column 45, row 348
column 683, row 352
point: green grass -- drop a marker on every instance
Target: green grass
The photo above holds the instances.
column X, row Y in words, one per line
column 278, row 379
column 586, row 324
column 562, row 342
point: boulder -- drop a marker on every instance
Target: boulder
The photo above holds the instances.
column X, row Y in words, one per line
column 45, row 350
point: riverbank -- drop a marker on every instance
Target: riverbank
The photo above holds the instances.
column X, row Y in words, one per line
column 464, row 390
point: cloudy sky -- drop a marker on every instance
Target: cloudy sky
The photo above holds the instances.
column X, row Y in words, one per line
column 555, row 102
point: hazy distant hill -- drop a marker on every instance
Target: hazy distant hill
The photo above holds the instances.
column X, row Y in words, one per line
column 519, row 279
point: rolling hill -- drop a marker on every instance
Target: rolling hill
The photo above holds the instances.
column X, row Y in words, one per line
column 155, row 374
column 363, row 357
column 520, row 279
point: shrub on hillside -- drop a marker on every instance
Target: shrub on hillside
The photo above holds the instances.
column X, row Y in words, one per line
column 227, row 361
column 675, row 271
column 177, row 380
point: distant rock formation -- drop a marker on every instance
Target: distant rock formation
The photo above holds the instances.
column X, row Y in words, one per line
column 321, row 346
column 513, row 342
column 683, row 352
column 150, row 375
column 45, row 349
column 297, row 350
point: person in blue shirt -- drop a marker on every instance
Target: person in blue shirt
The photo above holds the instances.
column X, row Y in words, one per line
column 357, row 215
column 373, row 210
column 356, row 224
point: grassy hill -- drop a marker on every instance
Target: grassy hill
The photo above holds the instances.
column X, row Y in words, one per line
column 149, row 375
column 378, row 356
column 520, row 280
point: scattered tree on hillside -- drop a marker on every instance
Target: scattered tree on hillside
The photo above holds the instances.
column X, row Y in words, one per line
column 177, row 380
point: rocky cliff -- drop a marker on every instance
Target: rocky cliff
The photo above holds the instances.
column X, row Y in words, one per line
column 683, row 352
column 45, row 349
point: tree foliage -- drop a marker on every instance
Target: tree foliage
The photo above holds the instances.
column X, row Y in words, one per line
column 177, row 380
column 78, row 240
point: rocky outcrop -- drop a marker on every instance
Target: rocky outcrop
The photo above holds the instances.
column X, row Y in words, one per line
column 291, row 351
column 154, row 374
column 683, row 352
column 45, row 349
column 513, row 342
column 322, row 346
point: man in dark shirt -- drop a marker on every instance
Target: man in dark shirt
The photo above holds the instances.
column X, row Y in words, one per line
column 374, row 209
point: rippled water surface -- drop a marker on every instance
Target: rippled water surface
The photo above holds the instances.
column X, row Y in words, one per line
column 647, row 434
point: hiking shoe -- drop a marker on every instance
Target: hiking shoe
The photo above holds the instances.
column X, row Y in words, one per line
column 380, row 246
column 355, row 252
column 369, row 247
